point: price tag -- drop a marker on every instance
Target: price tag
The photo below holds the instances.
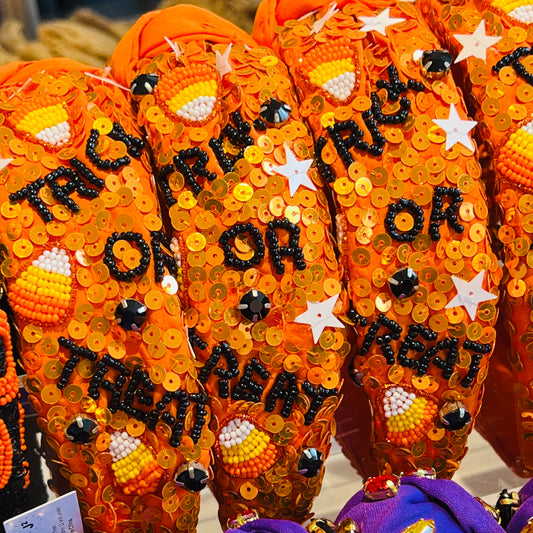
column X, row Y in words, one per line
column 61, row 515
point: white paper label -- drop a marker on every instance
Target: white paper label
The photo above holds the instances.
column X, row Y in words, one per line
column 61, row 515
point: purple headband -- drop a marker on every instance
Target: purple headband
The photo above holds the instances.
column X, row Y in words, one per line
column 416, row 505
column 421, row 505
column 519, row 522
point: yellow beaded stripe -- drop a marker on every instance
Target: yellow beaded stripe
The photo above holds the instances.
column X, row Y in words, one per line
column 39, row 119
column 254, row 444
column 246, row 451
column 191, row 94
column 321, row 74
column 40, row 295
column 507, row 6
column 132, row 465
column 515, row 158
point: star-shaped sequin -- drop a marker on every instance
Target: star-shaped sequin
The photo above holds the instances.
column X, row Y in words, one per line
column 475, row 44
column 470, row 294
column 175, row 48
column 456, row 129
column 319, row 315
column 223, row 62
column 380, row 22
column 296, row 172
column 321, row 22
column 4, row 163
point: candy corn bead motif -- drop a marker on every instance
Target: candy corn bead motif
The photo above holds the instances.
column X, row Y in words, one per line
column 499, row 72
column 251, row 232
column 43, row 292
column 46, row 120
column 395, row 147
column 90, row 277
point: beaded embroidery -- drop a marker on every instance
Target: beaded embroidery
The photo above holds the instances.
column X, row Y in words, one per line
column 332, row 67
column 43, row 291
column 515, row 160
column 189, row 92
column 133, row 463
column 408, row 416
column 520, row 10
column 45, row 119
column 246, row 450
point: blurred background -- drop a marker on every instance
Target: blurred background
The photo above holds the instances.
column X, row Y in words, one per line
column 87, row 30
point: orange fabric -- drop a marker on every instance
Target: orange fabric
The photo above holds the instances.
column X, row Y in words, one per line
column 506, row 149
column 62, row 284
column 346, row 71
column 239, row 198
column 146, row 39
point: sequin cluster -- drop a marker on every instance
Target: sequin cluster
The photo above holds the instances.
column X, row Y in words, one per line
column 420, row 207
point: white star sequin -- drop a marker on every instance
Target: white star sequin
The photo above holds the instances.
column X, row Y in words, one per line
column 296, row 172
column 321, row 22
column 175, row 48
column 223, row 62
column 319, row 315
column 475, row 44
column 470, row 294
column 379, row 22
column 4, row 163
column 456, row 129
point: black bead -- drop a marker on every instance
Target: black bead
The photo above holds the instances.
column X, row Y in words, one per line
column 275, row 111
column 254, row 305
column 82, row 430
column 192, row 476
column 454, row 416
column 130, row 314
column 404, row 283
column 144, row 84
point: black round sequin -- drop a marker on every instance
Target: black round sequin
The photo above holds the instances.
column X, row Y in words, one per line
column 436, row 63
column 310, row 462
column 82, row 430
column 275, row 111
column 454, row 416
column 144, row 84
column 404, row 283
column 192, row 476
column 254, row 305
column 130, row 314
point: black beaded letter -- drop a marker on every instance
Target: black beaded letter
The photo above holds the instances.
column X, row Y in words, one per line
column 449, row 214
column 247, row 389
column 284, row 389
column 293, row 249
column 31, row 193
column 224, row 374
column 230, row 260
column 238, row 136
column 196, row 169
column 390, row 220
column 109, row 259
